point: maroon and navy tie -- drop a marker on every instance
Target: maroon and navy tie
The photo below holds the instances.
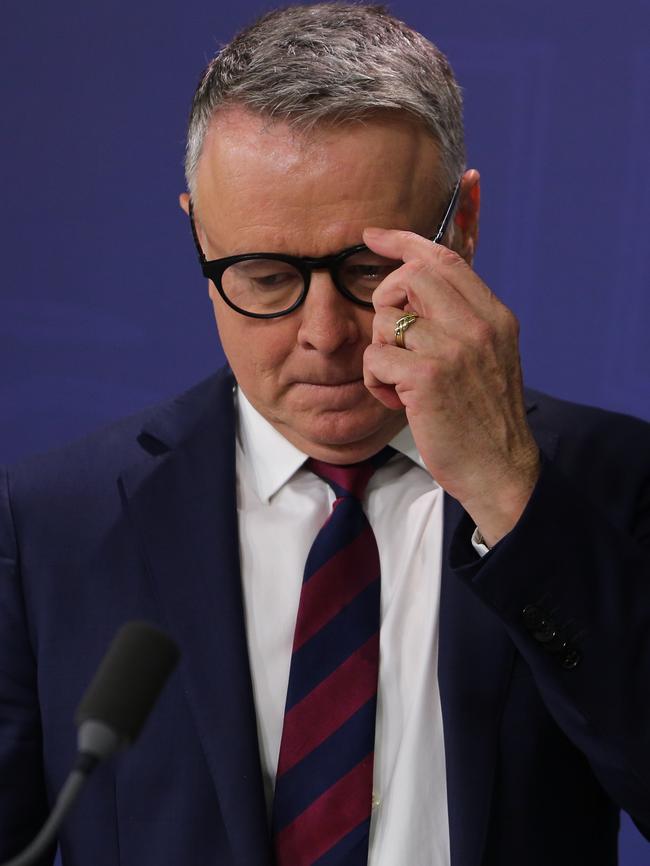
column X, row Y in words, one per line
column 323, row 791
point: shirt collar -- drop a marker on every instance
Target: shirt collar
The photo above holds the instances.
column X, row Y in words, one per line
column 271, row 460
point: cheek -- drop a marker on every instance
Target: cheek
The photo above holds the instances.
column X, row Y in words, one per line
column 365, row 323
column 256, row 349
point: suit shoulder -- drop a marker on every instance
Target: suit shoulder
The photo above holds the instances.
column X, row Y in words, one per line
column 105, row 452
column 594, row 441
column 578, row 418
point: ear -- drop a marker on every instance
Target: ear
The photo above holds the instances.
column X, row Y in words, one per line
column 465, row 235
column 184, row 202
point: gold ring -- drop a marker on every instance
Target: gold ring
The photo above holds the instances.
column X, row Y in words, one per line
column 401, row 326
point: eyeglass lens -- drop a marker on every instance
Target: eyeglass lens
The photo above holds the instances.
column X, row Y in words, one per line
column 266, row 286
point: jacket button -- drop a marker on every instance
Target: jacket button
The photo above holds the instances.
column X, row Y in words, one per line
column 534, row 618
column 546, row 633
column 557, row 646
column 571, row 659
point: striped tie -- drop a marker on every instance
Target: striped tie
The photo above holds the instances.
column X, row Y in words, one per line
column 323, row 792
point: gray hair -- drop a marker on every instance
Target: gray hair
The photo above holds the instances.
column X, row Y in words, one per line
column 332, row 62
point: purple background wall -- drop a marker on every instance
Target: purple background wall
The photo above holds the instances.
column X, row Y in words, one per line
column 102, row 307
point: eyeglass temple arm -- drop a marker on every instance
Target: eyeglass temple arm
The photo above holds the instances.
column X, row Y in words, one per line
column 444, row 225
column 197, row 244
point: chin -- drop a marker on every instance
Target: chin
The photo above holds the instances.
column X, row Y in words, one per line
column 352, row 431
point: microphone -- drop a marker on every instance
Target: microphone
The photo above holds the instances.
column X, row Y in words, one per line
column 111, row 714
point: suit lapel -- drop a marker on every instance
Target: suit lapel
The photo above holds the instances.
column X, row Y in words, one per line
column 475, row 658
column 474, row 669
column 182, row 502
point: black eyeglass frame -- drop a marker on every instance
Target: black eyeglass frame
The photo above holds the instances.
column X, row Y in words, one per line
column 305, row 265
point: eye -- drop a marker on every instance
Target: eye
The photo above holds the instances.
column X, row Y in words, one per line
column 371, row 272
column 272, row 281
column 263, row 274
column 366, row 271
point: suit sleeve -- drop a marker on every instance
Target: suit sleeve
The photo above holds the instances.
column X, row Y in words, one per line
column 571, row 584
column 23, row 800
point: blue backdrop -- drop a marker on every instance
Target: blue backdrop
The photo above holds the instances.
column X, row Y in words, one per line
column 103, row 308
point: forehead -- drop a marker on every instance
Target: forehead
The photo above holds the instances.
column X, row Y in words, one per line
column 261, row 182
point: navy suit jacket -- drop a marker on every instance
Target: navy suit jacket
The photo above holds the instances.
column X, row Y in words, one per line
column 544, row 661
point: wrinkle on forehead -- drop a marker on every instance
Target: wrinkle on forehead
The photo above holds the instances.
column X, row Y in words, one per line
column 266, row 180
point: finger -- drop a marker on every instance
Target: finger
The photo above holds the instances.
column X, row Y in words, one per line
column 382, row 369
column 420, row 335
column 406, row 246
column 412, row 248
column 417, row 287
column 387, row 395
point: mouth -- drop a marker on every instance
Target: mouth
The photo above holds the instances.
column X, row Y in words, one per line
column 329, row 394
column 324, row 383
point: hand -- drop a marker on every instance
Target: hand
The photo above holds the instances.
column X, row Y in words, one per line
column 459, row 378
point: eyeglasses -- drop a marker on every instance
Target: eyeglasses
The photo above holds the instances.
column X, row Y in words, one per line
column 268, row 285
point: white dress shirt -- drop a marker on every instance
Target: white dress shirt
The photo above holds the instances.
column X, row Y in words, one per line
column 281, row 508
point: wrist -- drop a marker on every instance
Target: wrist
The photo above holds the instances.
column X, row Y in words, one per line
column 498, row 508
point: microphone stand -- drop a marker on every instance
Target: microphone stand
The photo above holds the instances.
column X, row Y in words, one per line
column 67, row 795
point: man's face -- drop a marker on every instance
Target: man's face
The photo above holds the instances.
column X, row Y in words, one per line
column 263, row 187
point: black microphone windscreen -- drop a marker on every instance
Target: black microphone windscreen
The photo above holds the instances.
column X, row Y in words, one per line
column 129, row 679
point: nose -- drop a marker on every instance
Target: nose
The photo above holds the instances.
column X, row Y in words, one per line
column 329, row 321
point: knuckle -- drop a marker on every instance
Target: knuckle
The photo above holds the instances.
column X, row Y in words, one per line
column 382, row 289
column 429, row 369
column 447, row 256
column 384, row 323
column 409, row 272
column 477, row 332
column 415, row 266
column 456, row 354
column 512, row 326
column 483, row 332
column 369, row 353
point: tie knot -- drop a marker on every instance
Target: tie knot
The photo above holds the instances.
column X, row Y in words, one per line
column 350, row 479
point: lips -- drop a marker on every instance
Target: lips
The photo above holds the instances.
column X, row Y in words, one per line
column 329, row 383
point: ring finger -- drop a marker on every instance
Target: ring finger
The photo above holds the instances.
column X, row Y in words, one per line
column 416, row 333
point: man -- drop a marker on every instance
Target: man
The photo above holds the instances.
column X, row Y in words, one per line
column 337, row 224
